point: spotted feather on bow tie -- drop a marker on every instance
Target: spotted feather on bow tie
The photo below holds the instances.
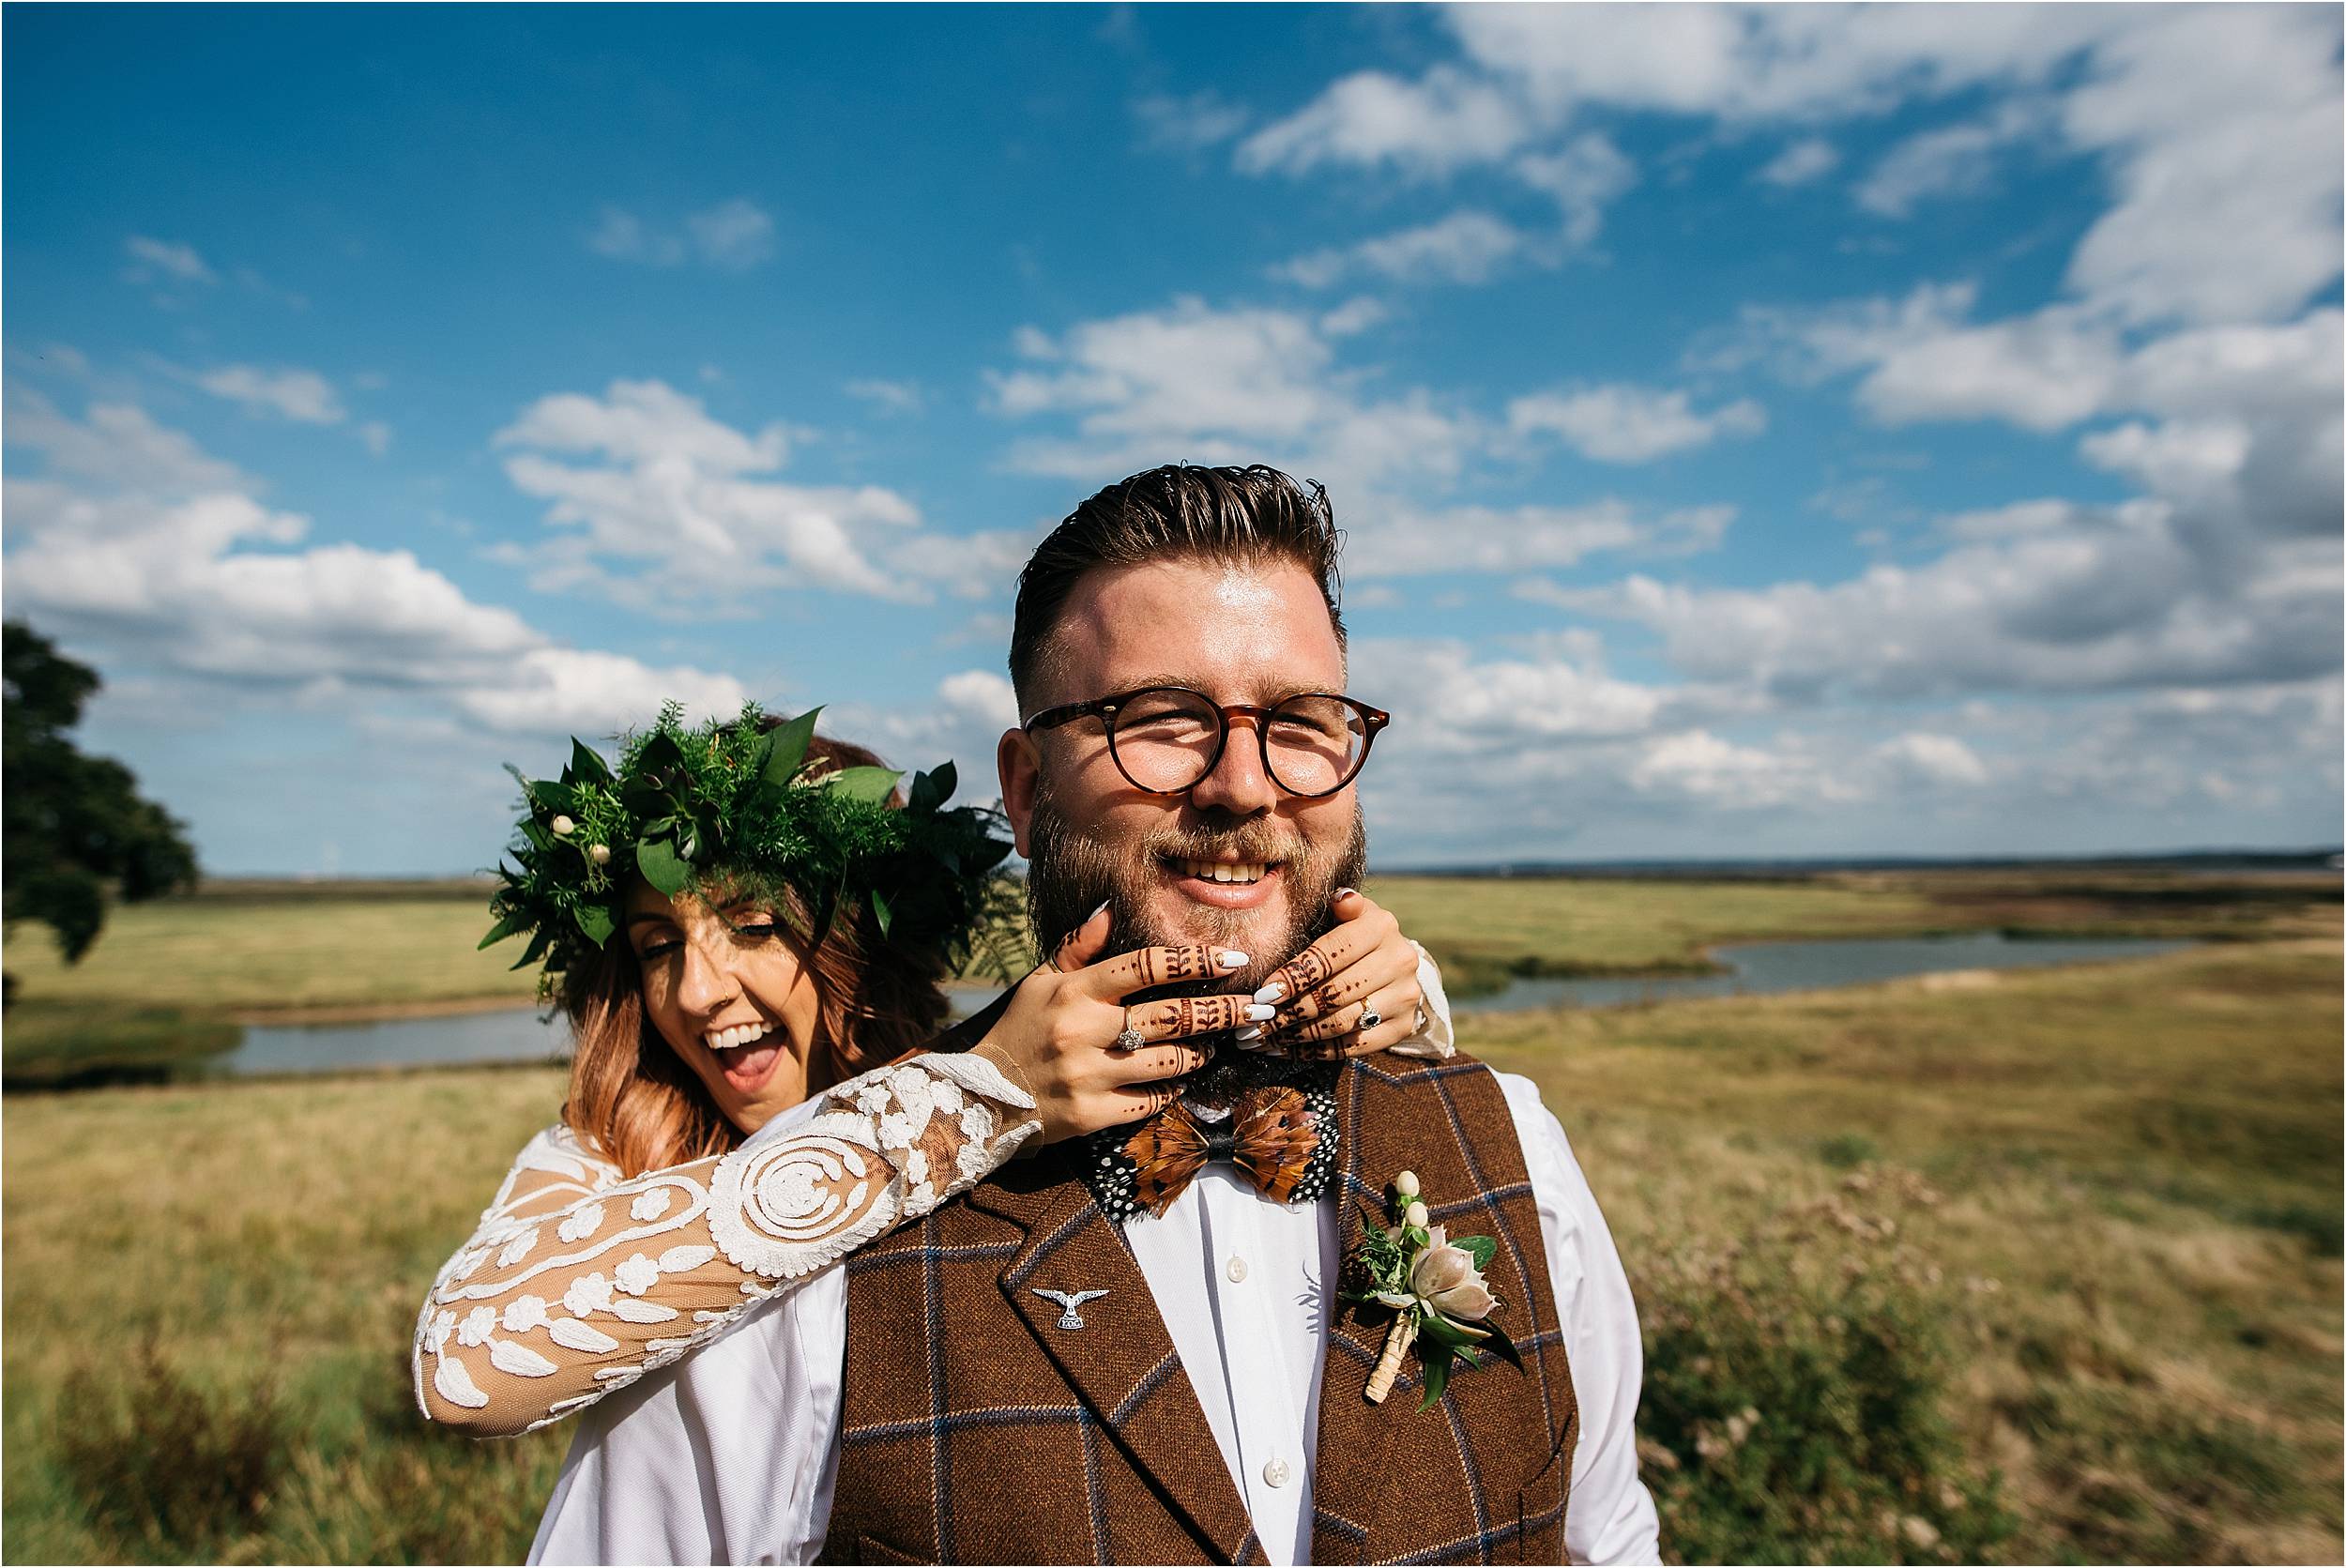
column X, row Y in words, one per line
column 1281, row 1134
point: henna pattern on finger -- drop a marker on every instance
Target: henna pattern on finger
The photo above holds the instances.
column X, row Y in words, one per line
column 1307, row 969
column 1170, row 966
column 1188, row 1015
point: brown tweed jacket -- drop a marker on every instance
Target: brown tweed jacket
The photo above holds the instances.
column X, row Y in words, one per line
column 975, row 1430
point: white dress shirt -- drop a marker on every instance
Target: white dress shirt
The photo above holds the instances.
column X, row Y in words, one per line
column 731, row 1455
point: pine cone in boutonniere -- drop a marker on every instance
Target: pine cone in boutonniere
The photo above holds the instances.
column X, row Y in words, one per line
column 1433, row 1284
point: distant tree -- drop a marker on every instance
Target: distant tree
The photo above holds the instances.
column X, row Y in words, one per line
column 71, row 826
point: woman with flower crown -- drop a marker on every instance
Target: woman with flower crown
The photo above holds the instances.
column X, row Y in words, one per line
column 748, row 925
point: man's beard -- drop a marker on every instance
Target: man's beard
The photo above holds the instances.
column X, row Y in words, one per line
column 1069, row 875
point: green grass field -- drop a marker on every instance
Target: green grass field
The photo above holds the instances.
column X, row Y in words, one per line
column 2041, row 1265
column 2105, row 1201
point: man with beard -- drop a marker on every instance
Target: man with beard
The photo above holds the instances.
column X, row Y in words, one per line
column 1132, row 1348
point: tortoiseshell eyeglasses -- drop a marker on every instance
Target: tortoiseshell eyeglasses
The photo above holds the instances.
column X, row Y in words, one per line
column 1165, row 739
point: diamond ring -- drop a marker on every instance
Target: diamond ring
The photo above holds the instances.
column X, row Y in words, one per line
column 1130, row 1039
column 1370, row 1018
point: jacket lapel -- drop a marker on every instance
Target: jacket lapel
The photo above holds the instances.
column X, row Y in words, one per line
column 1362, row 1477
column 1121, row 1364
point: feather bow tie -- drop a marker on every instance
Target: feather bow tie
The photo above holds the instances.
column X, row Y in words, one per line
column 1282, row 1136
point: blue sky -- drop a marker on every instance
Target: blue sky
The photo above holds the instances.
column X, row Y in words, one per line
column 1787, row 431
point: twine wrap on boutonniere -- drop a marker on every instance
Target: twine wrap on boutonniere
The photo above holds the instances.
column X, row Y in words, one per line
column 737, row 806
column 1434, row 1286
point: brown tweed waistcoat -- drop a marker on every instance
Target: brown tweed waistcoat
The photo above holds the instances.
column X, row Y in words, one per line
column 975, row 1430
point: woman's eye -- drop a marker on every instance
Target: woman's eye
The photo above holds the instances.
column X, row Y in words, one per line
column 650, row 951
column 754, row 933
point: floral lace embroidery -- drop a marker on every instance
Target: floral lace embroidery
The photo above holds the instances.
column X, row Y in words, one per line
column 579, row 1277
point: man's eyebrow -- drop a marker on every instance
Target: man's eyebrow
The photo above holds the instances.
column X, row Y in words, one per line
column 1271, row 698
column 646, row 917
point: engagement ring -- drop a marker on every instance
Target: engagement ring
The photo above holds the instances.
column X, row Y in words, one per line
column 1130, row 1039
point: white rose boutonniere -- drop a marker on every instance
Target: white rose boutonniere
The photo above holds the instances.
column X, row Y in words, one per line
column 1434, row 1286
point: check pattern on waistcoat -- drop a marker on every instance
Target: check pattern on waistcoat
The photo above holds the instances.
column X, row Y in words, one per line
column 973, row 1429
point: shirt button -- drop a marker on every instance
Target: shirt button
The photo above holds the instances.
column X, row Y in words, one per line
column 1275, row 1473
column 1236, row 1270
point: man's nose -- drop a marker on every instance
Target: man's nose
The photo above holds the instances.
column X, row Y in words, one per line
column 705, row 984
column 1238, row 783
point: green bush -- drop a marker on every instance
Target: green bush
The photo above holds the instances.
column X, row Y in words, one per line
column 162, row 1466
column 1848, row 1150
column 1796, row 1391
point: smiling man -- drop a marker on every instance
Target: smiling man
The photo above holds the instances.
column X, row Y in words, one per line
column 1133, row 1347
column 1189, row 754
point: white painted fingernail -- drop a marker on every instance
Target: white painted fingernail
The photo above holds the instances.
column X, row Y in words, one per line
column 1252, row 1031
column 1231, row 958
column 1256, row 1012
column 1347, row 892
column 1097, row 913
column 1271, row 992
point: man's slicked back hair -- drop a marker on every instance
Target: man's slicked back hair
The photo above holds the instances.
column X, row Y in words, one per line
column 1239, row 515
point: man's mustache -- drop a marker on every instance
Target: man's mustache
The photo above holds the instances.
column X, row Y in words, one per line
column 1249, row 841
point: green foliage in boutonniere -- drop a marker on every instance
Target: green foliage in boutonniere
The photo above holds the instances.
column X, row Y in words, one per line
column 1433, row 1282
column 733, row 806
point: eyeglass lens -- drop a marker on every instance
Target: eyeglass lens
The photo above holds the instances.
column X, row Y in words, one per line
column 1166, row 740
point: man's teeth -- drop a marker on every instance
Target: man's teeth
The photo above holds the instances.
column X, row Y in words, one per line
column 738, row 1036
column 1222, row 871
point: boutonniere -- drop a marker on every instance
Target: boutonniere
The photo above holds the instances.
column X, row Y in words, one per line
column 1433, row 1284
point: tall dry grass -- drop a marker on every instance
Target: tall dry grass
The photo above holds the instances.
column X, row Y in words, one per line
column 2040, row 1267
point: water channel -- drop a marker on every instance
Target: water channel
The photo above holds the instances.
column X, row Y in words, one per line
column 520, row 1035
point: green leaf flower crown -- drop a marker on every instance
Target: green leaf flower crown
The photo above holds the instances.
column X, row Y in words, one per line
column 727, row 805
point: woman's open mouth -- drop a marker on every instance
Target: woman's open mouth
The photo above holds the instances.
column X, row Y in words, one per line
column 745, row 1053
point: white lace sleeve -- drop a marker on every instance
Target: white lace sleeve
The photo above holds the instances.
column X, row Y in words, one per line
column 1435, row 1040
column 577, row 1283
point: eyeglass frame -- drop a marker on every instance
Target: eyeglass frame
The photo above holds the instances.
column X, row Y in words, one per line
column 1373, row 720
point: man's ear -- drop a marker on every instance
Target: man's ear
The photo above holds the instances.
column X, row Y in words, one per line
column 1021, row 769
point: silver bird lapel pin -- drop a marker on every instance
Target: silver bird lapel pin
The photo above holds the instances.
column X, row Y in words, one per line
column 1069, row 1301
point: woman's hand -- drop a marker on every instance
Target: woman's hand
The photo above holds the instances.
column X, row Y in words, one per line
column 1058, row 1038
column 1353, row 993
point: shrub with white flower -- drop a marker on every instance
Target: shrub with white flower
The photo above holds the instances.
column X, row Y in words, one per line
column 1434, row 1286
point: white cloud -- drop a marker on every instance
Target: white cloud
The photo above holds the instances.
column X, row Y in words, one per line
column 117, row 443
column 1252, row 385
column 1933, row 758
column 177, row 566
column 1444, row 120
column 1463, row 248
column 1956, row 159
column 1581, row 177
column 376, row 436
column 1800, row 162
column 302, row 396
column 167, row 258
column 1924, row 361
column 2217, row 126
column 1721, row 773
column 1621, row 424
column 1190, row 123
column 1354, row 316
column 888, row 397
column 732, row 236
column 622, row 237
column 1397, row 539
column 665, row 512
column 567, row 691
